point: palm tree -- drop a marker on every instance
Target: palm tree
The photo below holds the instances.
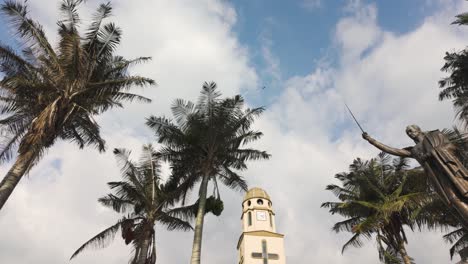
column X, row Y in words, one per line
column 375, row 199
column 205, row 144
column 455, row 86
column 48, row 94
column 459, row 239
column 146, row 200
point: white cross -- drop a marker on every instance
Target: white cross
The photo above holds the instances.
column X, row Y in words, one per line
column 264, row 255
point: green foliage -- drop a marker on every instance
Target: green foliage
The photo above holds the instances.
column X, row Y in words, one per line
column 459, row 239
column 206, row 139
column 47, row 93
column 144, row 199
column 378, row 200
column 455, row 86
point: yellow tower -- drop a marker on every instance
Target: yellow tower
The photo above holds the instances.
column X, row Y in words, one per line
column 259, row 242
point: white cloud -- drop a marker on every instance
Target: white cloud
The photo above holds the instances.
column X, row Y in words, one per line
column 389, row 80
column 56, row 210
column 357, row 32
column 272, row 69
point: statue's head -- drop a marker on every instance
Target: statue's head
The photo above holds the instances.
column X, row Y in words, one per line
column 413, row 131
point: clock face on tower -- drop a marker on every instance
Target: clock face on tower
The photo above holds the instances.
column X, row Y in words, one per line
column 261, row 216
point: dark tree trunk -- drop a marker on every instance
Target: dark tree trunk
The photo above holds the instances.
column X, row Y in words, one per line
column 143, row 256
column 14, row 175
column 404, row 254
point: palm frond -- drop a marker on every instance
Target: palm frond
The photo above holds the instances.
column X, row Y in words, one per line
column 31, row 32
column 116, row 203
column 186, row 213
column 100, row 240
column 182, row 110
column 232, row 179
column 346, row 225
column 109, row 37
column 355, row 241
column 102, row 12
column 173, row 223
column 462, row 19
column 70, row 12
column 128, row 168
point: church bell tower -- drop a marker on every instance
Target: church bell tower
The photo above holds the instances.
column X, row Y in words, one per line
column 259, row 243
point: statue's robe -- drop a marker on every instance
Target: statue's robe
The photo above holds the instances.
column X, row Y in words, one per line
column 443, row 162
column 436, row 154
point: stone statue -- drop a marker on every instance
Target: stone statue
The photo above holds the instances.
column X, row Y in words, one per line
column 435, row 153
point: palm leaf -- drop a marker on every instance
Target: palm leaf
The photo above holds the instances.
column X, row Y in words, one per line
column 100, row 240
column 173, row 223
column 27, row 29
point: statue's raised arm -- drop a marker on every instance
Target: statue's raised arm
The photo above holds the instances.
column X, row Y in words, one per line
column 385, row 148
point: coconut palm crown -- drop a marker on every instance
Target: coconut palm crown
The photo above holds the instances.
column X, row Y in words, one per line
column 455, row 86
column 205, row 142
column 375, row 200
column 48, row 94
column 146, row 200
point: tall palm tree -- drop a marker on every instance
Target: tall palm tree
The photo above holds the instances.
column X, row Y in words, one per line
column 147, row 201
column 376, row 202
column 48, row 94
column 205, row 144
column 455, row 86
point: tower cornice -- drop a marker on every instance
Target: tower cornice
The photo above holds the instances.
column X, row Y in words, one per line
column 261, row 233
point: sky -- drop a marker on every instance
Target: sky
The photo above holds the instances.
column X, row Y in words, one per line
column 382, row 57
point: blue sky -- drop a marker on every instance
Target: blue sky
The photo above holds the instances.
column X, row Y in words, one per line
column 301, row 36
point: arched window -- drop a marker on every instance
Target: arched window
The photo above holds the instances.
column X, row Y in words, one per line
column 271, row 220
column 260, row 202
column 249, row 218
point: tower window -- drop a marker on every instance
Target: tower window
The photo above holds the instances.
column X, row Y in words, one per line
column 249, row 218
column 249, row 203
column 271, row 220
column 260, row 202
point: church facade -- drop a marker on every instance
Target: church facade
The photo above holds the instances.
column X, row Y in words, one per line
column 259, row 242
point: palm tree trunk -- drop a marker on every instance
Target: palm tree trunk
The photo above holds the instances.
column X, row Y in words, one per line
column 14, row 175
column 404, row 254
column 144, row 248
column 153, row 260
column 197, row 238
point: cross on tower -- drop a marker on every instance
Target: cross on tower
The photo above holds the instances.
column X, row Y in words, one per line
column 265, row 255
